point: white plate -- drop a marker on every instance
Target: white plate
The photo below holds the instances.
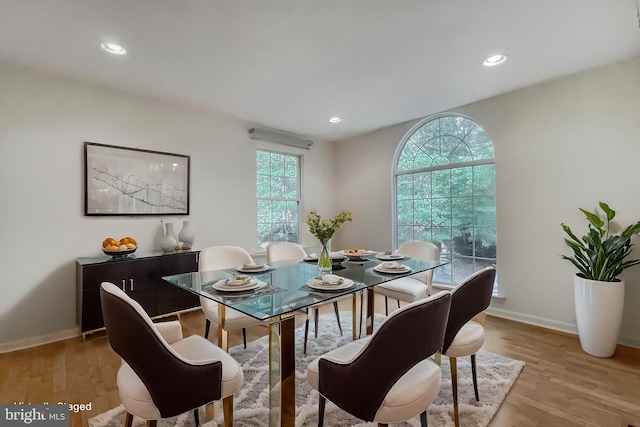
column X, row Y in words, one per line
column 222, row 285
column 392, row 270
column 321, row 286
column 257, row 269
column 391, row 257
column 362, row 253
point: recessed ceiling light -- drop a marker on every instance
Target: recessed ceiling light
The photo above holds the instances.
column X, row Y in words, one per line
column 114, row 48
column 335, row 120
column 495, row 60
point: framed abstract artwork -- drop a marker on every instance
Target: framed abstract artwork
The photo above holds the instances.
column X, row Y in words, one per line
column 131, row 181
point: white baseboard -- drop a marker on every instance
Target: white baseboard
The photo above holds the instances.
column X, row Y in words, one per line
column 36, row 341
column 570, row 328
column 555, row 325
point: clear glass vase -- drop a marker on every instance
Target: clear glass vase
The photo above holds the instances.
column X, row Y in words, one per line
column 324, row 260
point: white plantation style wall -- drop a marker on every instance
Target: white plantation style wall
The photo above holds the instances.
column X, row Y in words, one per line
column 561, row 145
column 43, row 124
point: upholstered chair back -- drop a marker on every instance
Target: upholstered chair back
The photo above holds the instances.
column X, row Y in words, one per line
column 469, row 298
column 282, row 251
column 175, row 385
column 408, row 336
column 422, row 250
column 220, row 257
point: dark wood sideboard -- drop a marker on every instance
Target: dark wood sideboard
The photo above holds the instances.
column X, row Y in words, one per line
column 140, row 276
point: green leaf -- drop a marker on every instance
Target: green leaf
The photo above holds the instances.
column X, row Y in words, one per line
column 610, row 213
column 593, row 219
column 600, row 255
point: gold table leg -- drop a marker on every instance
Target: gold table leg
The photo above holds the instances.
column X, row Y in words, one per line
column 370, row 310
column 223, row 335
column 282, row 391
column 354, row 310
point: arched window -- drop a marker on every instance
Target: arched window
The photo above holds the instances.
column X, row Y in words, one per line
column 444, row 190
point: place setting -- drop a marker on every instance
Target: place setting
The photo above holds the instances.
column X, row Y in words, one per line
column 253, row 268
column 328, row 283
column 390, row 256
column 238, row 283
column 392, row 267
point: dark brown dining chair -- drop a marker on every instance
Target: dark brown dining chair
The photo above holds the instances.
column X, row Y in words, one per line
column 388, row 377
column 164, row 374
column 465, row 336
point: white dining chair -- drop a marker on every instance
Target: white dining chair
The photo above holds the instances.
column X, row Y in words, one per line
column 288, row 251
column 417, row 286
column 219, row 258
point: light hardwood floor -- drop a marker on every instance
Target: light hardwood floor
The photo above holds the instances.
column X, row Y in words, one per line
column 559, row 386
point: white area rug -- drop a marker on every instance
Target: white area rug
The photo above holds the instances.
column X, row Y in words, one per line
column 496, row 375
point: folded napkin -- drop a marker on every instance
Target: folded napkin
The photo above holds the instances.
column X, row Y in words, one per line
column 252, row 266
column 238, row 280
column 332, row 279
column 391, row 265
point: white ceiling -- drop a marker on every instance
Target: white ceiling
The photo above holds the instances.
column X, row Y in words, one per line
column 293, row 64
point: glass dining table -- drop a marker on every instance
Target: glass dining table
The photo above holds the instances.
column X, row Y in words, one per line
column 285, row 290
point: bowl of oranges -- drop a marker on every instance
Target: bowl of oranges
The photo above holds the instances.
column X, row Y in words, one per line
column 119, row 248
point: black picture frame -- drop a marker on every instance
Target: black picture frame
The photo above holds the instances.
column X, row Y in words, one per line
column 131, row 181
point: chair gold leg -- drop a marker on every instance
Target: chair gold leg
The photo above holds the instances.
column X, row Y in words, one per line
column 152, row 423
column 437, row 357
column 454, row 388
column 128, row 420
column 210, row 411
column 227, row 409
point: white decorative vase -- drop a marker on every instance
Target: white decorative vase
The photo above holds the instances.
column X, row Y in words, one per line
column 168, row 242
column 599, row 307
column 186, row 236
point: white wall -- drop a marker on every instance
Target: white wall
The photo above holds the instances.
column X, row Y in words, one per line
column 43, row 122
column 560, row 145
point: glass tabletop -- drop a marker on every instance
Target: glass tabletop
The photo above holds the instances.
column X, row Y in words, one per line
column 284, row 288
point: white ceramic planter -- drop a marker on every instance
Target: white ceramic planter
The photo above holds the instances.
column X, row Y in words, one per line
column 599, row 307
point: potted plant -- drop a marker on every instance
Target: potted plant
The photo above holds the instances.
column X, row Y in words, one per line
column 600, row 257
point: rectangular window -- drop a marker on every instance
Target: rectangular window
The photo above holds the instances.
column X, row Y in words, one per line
column 278, row 194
